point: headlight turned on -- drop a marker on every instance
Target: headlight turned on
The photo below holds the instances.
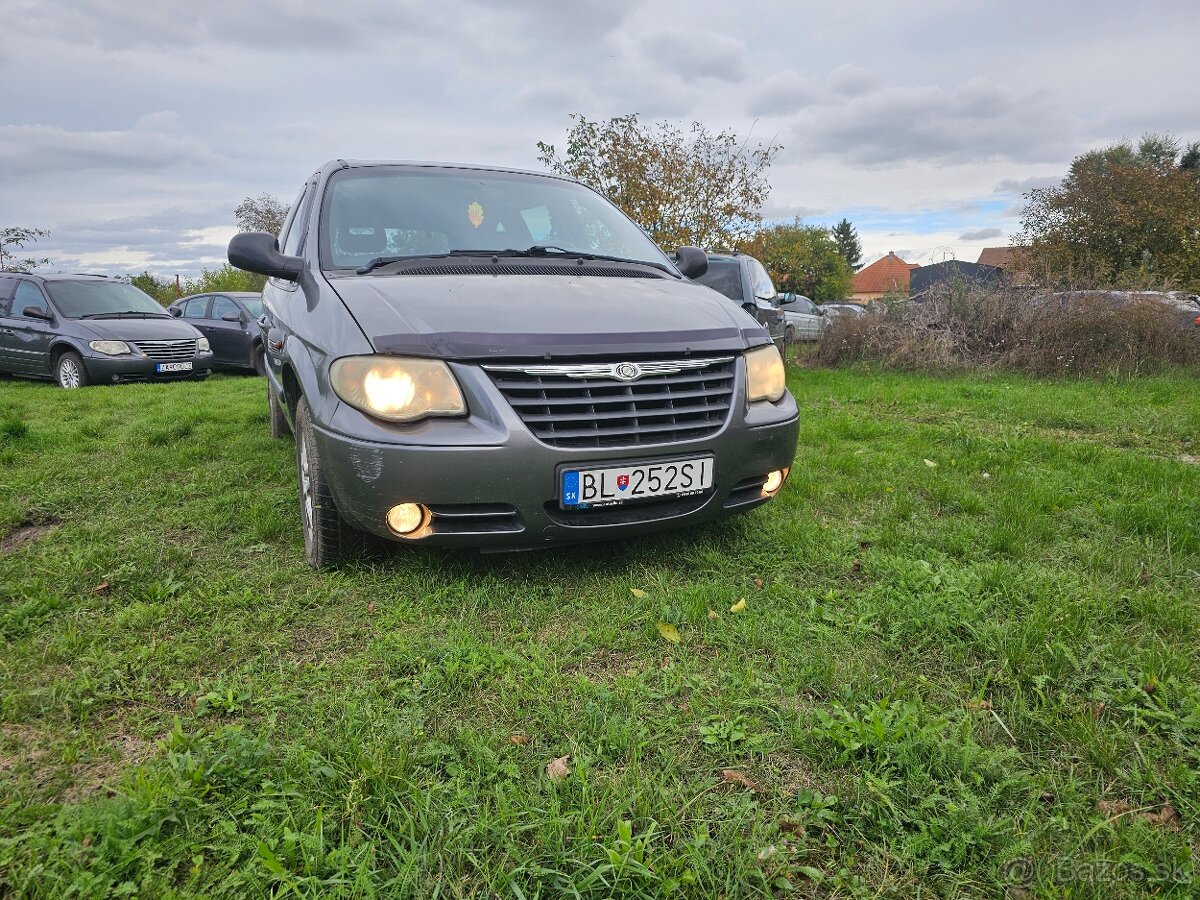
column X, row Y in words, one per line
column 765, row 375
column 396, row 388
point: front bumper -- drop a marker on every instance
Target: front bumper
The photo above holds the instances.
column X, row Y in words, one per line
column 110, row 369
column 502, row 492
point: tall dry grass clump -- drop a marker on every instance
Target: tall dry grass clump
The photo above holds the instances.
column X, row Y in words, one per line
column 957, row 328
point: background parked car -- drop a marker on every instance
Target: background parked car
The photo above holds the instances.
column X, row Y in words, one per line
column 229, row 321
column 804, row 320
column 745, row 281
column 833, row 310
column 80, row 329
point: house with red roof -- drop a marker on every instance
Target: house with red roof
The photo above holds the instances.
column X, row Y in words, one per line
column 887, row 275
column 1011, row 259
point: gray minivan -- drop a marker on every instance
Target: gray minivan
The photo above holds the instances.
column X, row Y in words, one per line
column 501, row 359
column 86, row 329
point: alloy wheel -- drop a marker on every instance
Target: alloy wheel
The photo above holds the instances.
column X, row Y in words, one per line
column 68, row 373
column 307, row 501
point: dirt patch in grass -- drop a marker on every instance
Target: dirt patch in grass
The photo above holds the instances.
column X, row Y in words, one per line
column 27, row 532
column 32, row 754
column 603, row 665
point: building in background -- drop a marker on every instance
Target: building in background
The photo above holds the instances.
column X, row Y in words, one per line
column 887, row 275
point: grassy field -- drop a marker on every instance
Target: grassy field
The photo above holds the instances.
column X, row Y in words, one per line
column 967, row 659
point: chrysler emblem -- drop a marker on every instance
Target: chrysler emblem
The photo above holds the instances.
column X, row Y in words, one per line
column 627, row 371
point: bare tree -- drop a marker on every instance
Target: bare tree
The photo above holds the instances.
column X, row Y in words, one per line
column 16, row 238
column 262, row 213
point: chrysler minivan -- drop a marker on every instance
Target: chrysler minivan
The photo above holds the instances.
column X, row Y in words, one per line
column 489, row 358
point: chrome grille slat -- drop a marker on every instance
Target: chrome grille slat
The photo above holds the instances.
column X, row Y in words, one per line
column 168, row 351
column 575, row 406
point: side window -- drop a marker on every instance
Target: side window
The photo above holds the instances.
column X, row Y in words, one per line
column 196, row 308
column 28, row 294
column 7, row 285
column 221, row 306
column 293, row 238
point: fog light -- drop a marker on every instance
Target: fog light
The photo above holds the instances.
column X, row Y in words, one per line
column 405, row 518
column 774, row 482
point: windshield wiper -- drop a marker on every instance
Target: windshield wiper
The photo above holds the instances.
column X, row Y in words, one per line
column 388, row 260
column 124, row 312
column 546, row 250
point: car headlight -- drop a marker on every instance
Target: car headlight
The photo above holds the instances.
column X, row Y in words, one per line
column 110, row 348
column 202, row 345
column 398, row 389
column 765, row 376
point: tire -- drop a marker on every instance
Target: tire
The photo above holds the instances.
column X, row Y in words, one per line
column 328, row 540
column 280, row 427
column 789, row 334
column 258, row 360
column 70, row 372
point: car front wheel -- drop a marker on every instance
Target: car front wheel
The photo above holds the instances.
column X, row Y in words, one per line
column 69, row 371
column 789, row 334
column 327, row 538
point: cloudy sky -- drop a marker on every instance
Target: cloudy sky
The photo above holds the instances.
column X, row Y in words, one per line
column 132, row 130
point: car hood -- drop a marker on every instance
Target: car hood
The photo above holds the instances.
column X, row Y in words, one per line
column 495, row 316
column 140, row 329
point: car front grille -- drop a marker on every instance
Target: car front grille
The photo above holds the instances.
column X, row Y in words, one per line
column 168, row 351
column 620, row 404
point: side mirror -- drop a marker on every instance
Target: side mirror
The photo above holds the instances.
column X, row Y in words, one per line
column 231, row 317
column 258, row 252
column 691, row 261
column 785, row 299
column 175, row 311
column 36, row 312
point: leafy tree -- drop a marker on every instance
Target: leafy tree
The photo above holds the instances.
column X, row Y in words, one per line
column 804, row 259
column 15, row 238
column 262, row 213
column 226, row 278
column 1124, row 215
column 161, row 289
column 683, row 187
column 848, row 244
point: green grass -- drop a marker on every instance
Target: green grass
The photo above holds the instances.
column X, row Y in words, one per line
column 943, row 669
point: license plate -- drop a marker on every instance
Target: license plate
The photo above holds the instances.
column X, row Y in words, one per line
column 173, row 367
column 613, row 485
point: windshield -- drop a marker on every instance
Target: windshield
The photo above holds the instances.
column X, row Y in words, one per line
column 253, row 306
column 724, row 276
column 76, row 299
column 391, row 211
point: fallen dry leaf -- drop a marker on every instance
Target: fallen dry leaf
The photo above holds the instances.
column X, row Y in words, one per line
column 557, row 769
column 1166, row 817
column 371, row 608
column 733, row 776
column 758, row 583
column 739, row 606
column 669, row 632
column 518, row 739
column 930, row 464
column 789, row 827
column 713, row 614
column 637, row 592
column 101, row 587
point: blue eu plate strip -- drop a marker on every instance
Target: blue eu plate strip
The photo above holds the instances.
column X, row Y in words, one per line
column 570, row 489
